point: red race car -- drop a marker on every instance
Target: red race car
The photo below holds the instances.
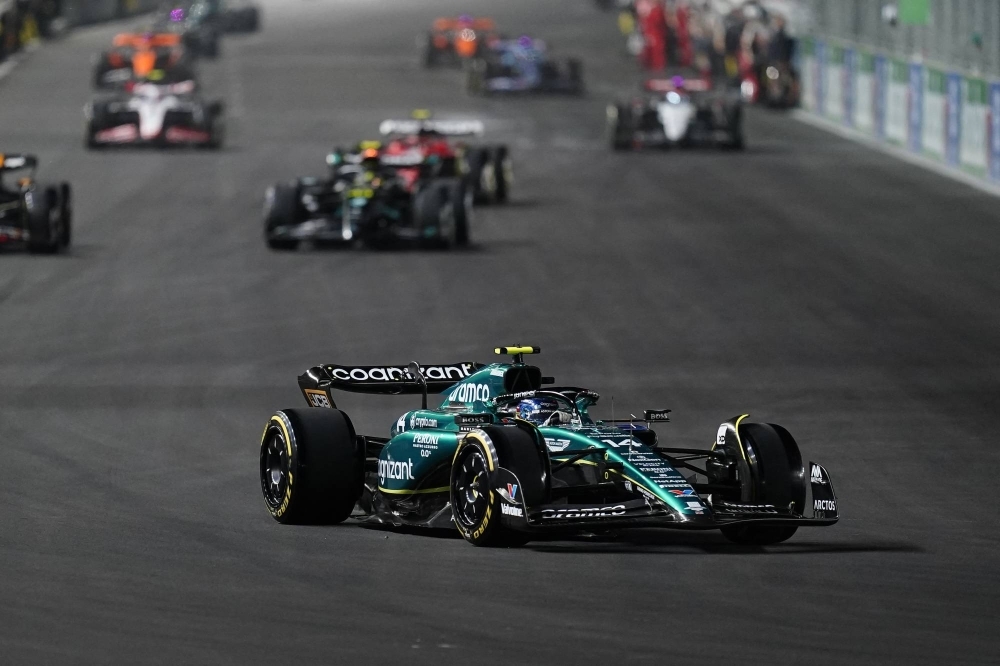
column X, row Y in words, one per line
column 487, row 169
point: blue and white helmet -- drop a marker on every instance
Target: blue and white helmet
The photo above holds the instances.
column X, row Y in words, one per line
column 543, row 411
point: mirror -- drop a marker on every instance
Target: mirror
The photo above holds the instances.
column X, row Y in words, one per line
column 414, row 369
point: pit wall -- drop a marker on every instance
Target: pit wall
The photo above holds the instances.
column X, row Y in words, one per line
column 947, row 116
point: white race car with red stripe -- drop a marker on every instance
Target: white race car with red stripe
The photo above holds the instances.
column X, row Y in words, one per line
column 154, row 114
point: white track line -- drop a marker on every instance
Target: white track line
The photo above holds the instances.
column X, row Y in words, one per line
column 900, row 153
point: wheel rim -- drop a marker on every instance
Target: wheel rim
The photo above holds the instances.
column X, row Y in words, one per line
column 489, row 180
column 468, row 207
column 446, row 224
column 274, row 469
column 508, row 171
column 470, row 489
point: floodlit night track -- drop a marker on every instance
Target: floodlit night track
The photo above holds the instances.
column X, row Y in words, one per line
column 806, row 280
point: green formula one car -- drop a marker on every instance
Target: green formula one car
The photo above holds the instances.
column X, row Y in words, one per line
column 505, row 460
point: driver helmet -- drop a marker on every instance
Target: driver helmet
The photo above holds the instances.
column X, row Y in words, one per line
column 543, row 411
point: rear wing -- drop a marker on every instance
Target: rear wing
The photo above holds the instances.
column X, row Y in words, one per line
column 484, row 24
column 135, row 40
column 677, row 83
column 15, row 161
column 444, row 127
column 319, row 381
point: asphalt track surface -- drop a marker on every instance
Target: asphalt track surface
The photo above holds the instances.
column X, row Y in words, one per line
column 809, row 281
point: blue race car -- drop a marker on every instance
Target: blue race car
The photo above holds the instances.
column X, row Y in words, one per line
column 523, row 65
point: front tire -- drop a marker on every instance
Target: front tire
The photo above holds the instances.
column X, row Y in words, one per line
column 474, row 477
column 311, row 467
column 771, row 473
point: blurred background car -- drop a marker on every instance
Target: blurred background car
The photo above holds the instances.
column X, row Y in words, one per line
column 678, row 111
column 488, row 169
column 155, row 114
column 452, row 42
column 523, row 65
column 34, row 215
column 371, row 197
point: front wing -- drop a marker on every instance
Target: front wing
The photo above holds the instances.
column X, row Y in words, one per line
column 820, row 510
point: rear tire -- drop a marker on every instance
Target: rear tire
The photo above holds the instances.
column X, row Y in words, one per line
column 619, row 127
column 253, row 19
column 430, row 59
column 311, row 467
column 217, row 132
column 65, row 216
column 503, row 167
column 210, row 48
column 474, row 476
column 461, row 205
column 738, row 137
column 43, row 236
column 445, row 206
column 281, row 209
column 481, row 175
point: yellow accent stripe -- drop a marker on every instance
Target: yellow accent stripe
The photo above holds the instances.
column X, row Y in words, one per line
column 486, row 447
column 284, row 431
column 736, row 429
column 422, row 491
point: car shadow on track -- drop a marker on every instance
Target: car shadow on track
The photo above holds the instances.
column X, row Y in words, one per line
column 516, row 203
column 679, row 543
column 666, row 541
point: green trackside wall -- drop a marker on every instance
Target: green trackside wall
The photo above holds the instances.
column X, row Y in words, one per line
column 939, row 112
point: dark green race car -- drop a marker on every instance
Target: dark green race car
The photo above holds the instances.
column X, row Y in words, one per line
column 505, row 460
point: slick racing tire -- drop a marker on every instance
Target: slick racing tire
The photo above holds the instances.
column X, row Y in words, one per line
column 482, row 175
column 209, row 45
column 619, row 127
column 430, row 54
column 445, row 208
column 311, row 467
column 475, row 475
column 770, row 473
column 44, row 224
column 737, row 140
column 90, row 140
column 216, row 127
column 503, row 167
column 281, row 209
column 461, row 210
column 65, row 215
column 253, row 19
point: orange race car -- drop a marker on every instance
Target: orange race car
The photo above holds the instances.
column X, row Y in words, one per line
column 452, row 41
column 139, row 57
